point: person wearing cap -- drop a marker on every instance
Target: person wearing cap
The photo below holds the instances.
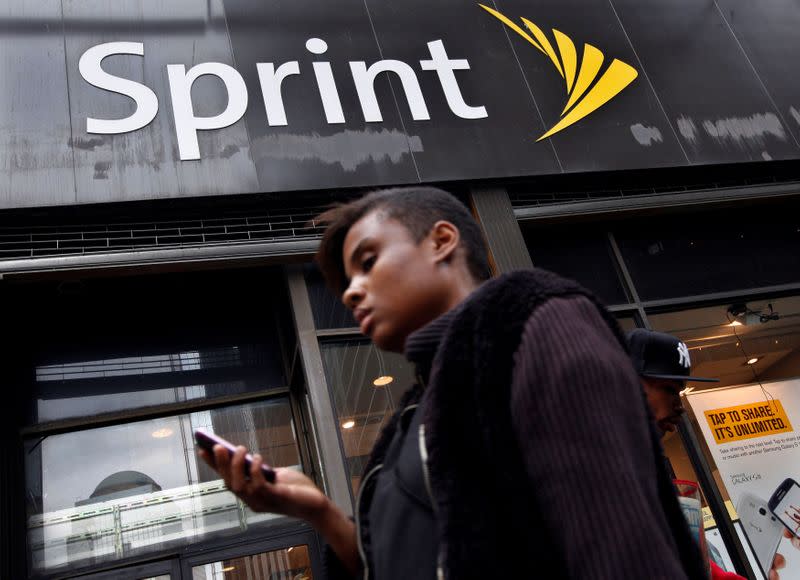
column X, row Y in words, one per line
column 664, row 366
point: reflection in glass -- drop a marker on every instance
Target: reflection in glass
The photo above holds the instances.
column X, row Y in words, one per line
column 365, row 398
column 92, row 386
column 123, row 490
column 290, row 563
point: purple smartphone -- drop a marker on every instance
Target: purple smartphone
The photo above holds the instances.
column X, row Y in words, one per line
column 207, row 441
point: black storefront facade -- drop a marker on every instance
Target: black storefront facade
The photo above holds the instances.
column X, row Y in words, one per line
column 161, row 171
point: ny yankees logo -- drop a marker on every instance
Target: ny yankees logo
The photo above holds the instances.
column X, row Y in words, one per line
column 683, row 355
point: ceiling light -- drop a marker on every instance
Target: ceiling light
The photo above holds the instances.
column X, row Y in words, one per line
column 289, row 549
column 161, row 433
column 735, row 323
column 383, row 381
column 348, row 424
column 753, row 360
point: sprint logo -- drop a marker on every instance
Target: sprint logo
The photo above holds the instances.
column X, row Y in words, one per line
column 577, row 78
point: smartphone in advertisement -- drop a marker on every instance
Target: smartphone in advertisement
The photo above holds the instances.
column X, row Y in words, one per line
column 762, row 528
column 207, row 440
column 785, row 504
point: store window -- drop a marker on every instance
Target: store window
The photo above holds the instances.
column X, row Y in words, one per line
column 578, row 252
column 739, row 343
column 116, row 374
column 746, row 423
column 125, row 490
column 367, row 385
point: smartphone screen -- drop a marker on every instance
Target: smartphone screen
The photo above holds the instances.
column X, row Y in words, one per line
column 787, row 509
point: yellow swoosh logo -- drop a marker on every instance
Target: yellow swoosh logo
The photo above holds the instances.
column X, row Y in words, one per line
column 585, row 92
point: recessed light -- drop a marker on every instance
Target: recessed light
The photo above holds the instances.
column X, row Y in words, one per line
column 383, row 381
column 348, row 424
column 753, row 360
column 161, row 433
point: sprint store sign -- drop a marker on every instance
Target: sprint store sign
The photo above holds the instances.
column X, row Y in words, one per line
column 586, row 89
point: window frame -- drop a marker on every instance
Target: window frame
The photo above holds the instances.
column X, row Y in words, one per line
column 294, row 390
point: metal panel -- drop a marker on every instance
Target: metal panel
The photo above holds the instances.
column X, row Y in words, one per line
column 501, row 229
column 454, row 148
column 715, row 84
column 324, row 416
column 768, row 32
column 309, row 152
column 630, row 130
column 655, row 201
column 207, row 255
column 35, row 137
column 711, row 94
column 145, row 164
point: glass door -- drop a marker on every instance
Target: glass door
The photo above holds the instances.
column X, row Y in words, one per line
column 294, row 557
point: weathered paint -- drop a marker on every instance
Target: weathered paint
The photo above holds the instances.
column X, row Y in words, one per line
column 724, row 91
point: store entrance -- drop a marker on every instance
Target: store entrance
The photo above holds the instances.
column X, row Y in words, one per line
column 112, row 376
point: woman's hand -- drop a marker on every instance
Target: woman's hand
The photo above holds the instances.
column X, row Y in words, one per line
column 293, row 494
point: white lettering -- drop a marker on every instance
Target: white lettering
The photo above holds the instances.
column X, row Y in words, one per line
column 364, row 79
column 271, row 81
column 444, row 67
column 327, row 86
column 186, row 123
column 92, row 73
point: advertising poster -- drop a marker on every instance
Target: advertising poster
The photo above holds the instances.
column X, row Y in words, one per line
column 752, row 434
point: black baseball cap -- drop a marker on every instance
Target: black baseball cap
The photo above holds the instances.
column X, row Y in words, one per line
column 661, row 356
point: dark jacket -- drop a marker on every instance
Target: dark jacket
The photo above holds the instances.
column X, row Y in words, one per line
column 539, row 449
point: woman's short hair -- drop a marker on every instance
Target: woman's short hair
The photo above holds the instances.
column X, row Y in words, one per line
column 418, row 208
